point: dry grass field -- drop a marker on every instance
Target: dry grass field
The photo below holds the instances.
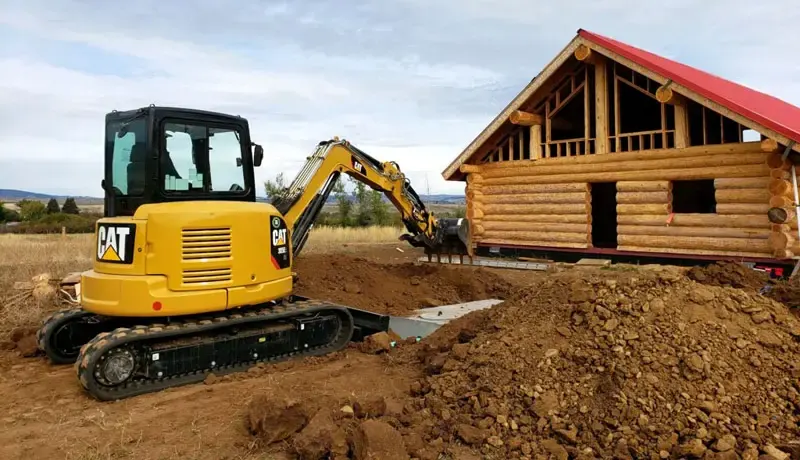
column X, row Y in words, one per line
column 25, row 256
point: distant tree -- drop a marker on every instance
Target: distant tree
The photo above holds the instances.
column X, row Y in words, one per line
column 2, row 212
column 52, row 206
column 70, row 207
column 30, row 210
column 344, row 205
column 11, row 215
column 275, row 188
column 363, row 212
column 378, row 208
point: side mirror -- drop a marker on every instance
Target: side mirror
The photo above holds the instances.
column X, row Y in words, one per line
column 258, row 155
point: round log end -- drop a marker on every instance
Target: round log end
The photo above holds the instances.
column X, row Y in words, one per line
column 769, row 145
column 776, row 161
column 779, row 187
column 780, row 202
column 779, row 240
column 777, row 215
column 664, row 94
column 582, row 52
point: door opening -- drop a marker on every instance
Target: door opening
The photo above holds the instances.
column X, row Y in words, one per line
column 604, row 215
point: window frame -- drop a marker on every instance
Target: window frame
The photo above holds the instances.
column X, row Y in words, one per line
column 112, row 128
column 162, row 145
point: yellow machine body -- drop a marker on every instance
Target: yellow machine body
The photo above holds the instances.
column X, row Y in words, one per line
column 182, row 258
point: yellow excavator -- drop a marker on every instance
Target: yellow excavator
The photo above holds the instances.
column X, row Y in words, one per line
column 193, row 275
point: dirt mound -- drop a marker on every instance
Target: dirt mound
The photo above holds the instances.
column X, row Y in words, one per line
column 612, row 365
column 729, row 274
column 395, row 289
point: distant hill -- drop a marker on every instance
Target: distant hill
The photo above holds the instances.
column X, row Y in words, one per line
column 11, row 195
column 6, row 194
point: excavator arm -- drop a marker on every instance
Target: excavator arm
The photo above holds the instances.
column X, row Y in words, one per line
column 303, row 200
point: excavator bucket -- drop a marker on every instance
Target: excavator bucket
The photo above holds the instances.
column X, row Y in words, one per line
column 453, row 240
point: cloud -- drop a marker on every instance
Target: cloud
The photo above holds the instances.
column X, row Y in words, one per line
column 411, row 81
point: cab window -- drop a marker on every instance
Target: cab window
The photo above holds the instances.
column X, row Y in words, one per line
column 201, row 158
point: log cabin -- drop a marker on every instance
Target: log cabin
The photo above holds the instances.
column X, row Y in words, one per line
column 613, row 151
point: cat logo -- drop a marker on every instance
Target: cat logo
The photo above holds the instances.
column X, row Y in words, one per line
column 358, row 166
column 279, row 237
column 115, row 243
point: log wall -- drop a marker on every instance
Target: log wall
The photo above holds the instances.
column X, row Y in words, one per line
column 547, row 202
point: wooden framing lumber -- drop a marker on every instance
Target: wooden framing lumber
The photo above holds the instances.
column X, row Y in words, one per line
column 541, row 218
column 601, row 131
column 536, row 142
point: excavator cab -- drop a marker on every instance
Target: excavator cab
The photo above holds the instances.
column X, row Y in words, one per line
column 163, row 154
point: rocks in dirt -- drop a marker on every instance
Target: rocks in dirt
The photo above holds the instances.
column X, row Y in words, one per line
column 669, row 380
column 23, row 339
column 321, row 438
column 470, row 435
column 28, row 346
column 376, row 343
column 373, row 407
column 374, row 440
column 729, row 274
column 275, row 419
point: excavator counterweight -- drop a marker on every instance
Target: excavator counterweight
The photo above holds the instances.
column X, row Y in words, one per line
column 192, row 275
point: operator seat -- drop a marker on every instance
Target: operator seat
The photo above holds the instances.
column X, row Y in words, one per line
column 136, row 169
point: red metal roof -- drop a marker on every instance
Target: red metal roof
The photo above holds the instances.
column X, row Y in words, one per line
column 766, row 110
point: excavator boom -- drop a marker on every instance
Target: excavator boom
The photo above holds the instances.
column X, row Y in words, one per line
column 302, row 201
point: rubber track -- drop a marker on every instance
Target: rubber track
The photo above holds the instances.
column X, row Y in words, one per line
column 92, row 351
column 55, row 320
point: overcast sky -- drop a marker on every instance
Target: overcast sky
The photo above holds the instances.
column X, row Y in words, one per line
column 412, row 81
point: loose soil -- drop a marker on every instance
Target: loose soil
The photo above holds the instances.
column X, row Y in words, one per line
column 395, row 288
column 593, row 363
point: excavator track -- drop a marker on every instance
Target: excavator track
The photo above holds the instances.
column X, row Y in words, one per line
column 65, row 331
column 131, row 361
